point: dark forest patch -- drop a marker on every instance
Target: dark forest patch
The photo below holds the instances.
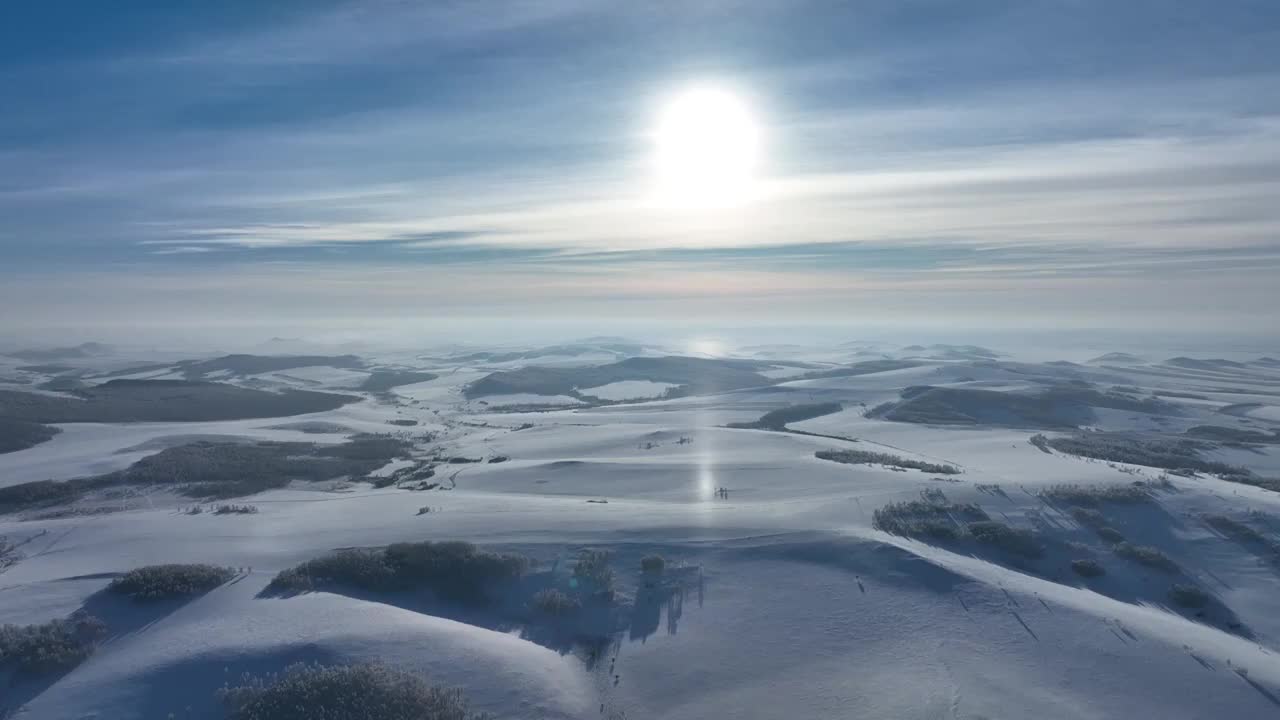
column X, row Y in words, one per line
column 1057, row 407
column 694, row 375
column 20, row 434
column 164, row 401
column 220, row 470
column 778, row 419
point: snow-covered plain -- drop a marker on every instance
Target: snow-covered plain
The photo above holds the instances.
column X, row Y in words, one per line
column 628, row 390
column 804, row 609
column 518, row 399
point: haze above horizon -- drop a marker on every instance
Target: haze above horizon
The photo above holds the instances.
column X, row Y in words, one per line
column 346, row 165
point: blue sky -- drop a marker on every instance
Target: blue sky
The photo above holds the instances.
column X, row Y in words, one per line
column 320, row 164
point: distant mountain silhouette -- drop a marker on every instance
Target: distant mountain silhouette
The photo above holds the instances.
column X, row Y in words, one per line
column 255, row 364
column 1118, row 358
column 83, row 350
column 1210, row 364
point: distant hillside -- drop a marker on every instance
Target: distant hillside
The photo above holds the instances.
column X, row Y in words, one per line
column 778, row 419
column 47, row 369
column 953, row 352
column 867, row 367
column 255, row 364
column 1212, row 364
column 1232, row 434
column 1058, row 407
column 163, row 401
column 23, row 415
column 695, row 375
column 205, row 469
column 620, row 349
column 384, row 380
column 83, row 350
column 1170, row 453
column 1117, row 358
column 20, row 434
column 137, row 369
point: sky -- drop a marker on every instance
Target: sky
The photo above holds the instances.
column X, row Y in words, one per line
column 331, row 168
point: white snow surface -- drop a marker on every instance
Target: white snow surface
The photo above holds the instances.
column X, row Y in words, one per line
column 805, row 610
column 628, row 390
column 516, row 399
column 1270, row 413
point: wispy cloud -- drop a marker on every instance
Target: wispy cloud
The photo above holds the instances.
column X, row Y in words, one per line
column 374, row 30
column 993, row 151
column 1157, row 191
column 183, row 250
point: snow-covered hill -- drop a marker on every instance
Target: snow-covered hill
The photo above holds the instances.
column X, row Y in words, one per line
column 803, row 607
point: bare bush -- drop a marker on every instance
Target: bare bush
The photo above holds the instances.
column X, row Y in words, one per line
column 1146, row 555
column 1234, row 529
column 365, row 569
column 344, row 692
column 1087, row 568
column 1109, row 534
column 50, row 647
column 1188, row 596
column 861, row 457
column 155, row 582
column 592, row 569
column 9, row 554
column 1094, row 495
column 919, row 518
column 1089, row 517
column 1015, row 540
column 453, row 570
column 553, row 602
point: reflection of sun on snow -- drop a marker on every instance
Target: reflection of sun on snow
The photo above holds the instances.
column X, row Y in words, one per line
column 711, row 348
column 704, row 420
column 706, row 479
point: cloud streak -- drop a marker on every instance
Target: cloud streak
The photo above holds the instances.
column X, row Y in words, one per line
column 965, row 154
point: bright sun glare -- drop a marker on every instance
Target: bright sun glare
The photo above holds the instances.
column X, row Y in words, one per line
column 708, row 145
column 708, row 347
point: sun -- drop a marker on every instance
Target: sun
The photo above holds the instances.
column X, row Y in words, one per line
column 707, row 146
column 706, row 347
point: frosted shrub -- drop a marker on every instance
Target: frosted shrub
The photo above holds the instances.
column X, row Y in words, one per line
column 155, row 582
column 344, row 692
